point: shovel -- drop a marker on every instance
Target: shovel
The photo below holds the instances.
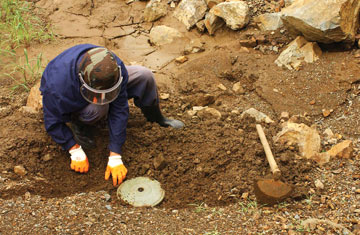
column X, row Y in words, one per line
column 270, row 191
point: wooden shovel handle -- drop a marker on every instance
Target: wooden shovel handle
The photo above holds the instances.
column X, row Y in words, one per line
column 269, row 156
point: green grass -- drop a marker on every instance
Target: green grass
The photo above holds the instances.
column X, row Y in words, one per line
column 248, row 206
column 199, row 207
column 20, row 27
column 26, row 72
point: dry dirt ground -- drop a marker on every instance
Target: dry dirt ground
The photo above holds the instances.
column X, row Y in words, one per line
column 211, row 164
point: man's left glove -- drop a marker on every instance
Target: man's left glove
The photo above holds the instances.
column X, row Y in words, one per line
column 116, row 168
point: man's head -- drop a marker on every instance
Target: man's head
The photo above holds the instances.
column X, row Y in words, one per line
column 99, row 69
column 100, row 76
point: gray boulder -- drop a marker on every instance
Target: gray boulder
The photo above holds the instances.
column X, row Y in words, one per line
column 325, row 21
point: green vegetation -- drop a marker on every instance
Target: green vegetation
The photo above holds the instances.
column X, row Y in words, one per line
column 248, row 206
column 20, row 26
column 27, row 71
column 199, row 207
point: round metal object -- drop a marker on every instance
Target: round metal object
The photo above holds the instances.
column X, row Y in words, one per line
column 141, row 191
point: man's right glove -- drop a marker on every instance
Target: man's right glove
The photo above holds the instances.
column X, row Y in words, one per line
column 116, row 168
column 79, row 161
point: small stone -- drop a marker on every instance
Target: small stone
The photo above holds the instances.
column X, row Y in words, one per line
column 342, row 150
column 47, row 157
column 284, row 115
column 248, row 42
column 338, row 171
column 235, row 112
column 191, row 112
column 312, row 102
column 159, row 162
column 222, row 87
column 108, row 207
column 244, row 50
column 27, row 195
column 164, row 96
column 181, row 59
column 107, row 197
column 357, row 54
column 319, row 184
column 238, row 89
column 356, row 177
column 329, row 134
column 326, row 112
column 20, row 170
column 323, row 199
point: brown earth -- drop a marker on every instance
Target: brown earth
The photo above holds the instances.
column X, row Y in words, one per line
column 209, row 161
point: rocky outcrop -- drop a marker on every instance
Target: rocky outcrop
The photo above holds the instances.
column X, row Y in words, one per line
column 154, row 10
column 269, row 21
column 298, row 52
column 212, row 22
column 189, row 12
column 325, row 21
column 235, row 13
column 212, row 3
column 161, row 35
column 307, row 138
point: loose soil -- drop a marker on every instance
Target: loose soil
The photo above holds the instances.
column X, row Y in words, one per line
column 211, row 161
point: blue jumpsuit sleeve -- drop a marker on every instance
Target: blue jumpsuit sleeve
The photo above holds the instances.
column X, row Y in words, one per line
column 118, row 115
column 55, row 123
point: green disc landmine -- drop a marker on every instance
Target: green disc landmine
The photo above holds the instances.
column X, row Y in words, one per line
column 141, row 191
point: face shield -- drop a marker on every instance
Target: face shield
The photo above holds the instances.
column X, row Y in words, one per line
column 100, row 97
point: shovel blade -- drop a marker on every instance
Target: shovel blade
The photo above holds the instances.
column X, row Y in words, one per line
column 270, row 191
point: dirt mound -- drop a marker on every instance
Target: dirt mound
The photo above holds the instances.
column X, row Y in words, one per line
column 209, row 161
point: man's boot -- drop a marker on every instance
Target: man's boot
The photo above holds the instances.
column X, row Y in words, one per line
column 153, row 114
column 83, row 134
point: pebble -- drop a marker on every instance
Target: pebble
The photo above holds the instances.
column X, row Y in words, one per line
column 319, row 184
column 107, row 197
column 20, row 170
column 108, row 207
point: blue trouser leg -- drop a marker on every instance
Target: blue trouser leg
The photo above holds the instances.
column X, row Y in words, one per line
column 141, row 87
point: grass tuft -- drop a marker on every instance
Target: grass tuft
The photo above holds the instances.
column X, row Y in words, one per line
column 19, row 25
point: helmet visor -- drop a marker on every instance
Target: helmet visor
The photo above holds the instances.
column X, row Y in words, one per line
column 100, row 97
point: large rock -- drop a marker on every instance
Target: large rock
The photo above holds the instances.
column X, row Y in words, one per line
column 269, row 21
column 189, row 12
column 212, row 3
column 342, row 150
column 213, row 22
column 34, row 99
column 161, row 35
column 154, row 10
column 325, row 21
column 235, row 13
column 297, row 52
column 307, row 138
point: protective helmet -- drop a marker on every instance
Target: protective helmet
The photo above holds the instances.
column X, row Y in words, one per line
column 100, row 76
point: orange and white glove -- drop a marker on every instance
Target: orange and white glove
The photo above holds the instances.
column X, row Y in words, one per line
column 79, row 160
column 116, row 168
